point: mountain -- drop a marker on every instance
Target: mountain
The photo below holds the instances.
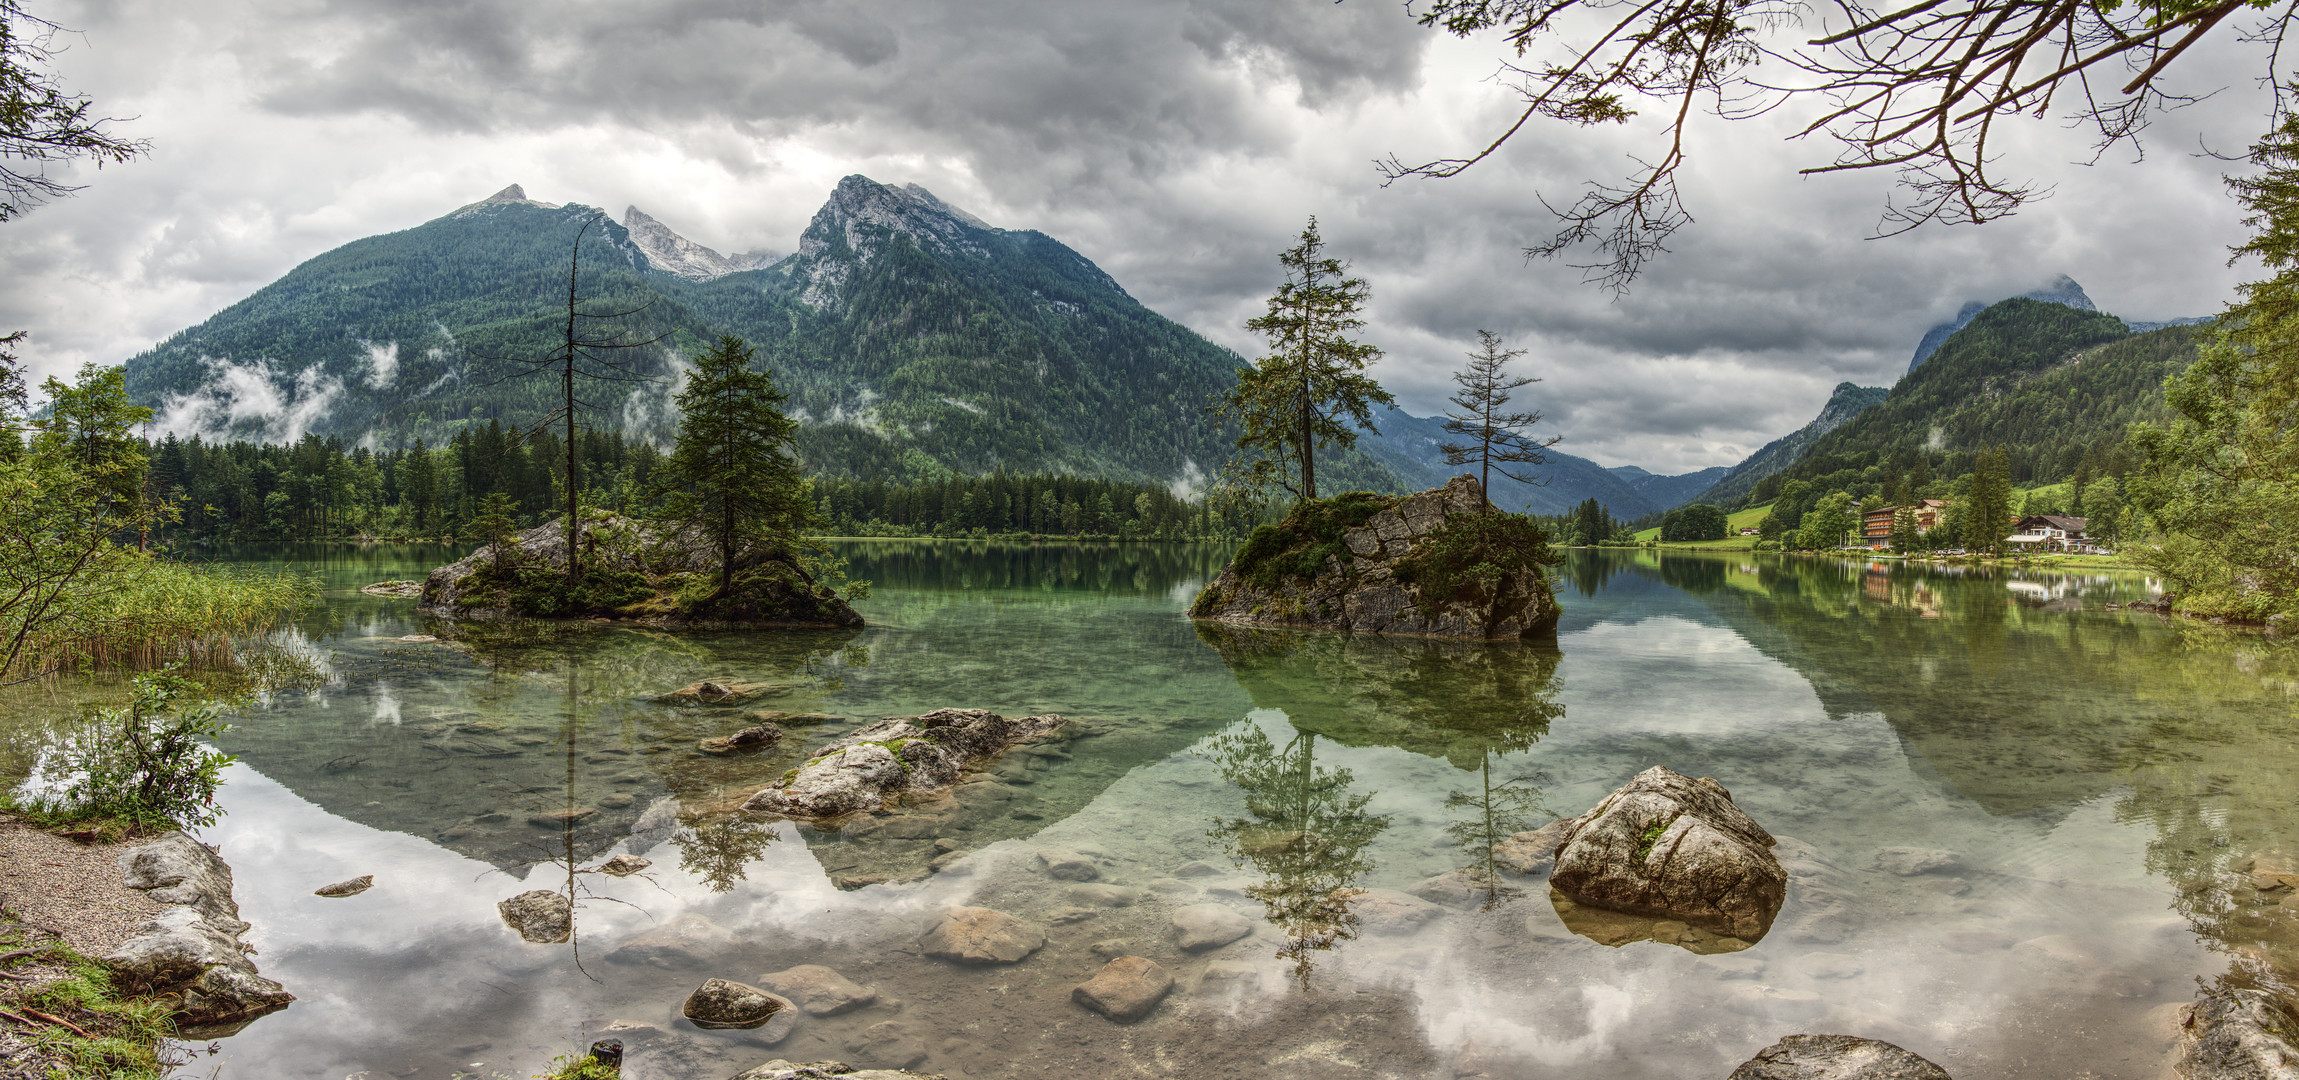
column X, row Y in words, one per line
column 914, row 339
column 1845, row 403
column 2049, row 383
column 2062, row 290
column 1409, row 447
column 1670, row 492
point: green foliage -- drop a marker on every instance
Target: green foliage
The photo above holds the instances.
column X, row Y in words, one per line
column 1495, row 433
column 1827, row 524
column 1309, row 391
column 142, row 767
column 1646, row 840
column 579, row 1067
column 733, row 479
column 597, row 591
column 497, row 529
column 125, row 1035
column 1299, row 546
column 1474, row 558
column 2222, row 478
column 1699, row 521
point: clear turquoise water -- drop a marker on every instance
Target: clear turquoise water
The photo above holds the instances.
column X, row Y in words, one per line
column 2099, row 777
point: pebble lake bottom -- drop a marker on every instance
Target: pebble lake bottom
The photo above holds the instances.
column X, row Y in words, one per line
column 2017, row 825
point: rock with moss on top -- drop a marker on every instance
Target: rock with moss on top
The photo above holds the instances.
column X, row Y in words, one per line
column 633, row 570
column 896, row 756
column 1444, row 562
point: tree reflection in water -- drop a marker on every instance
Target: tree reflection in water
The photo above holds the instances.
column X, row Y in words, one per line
column 720, row 850
column 1305, row 833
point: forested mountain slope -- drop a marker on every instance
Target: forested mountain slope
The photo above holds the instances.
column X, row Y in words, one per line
column 1845, row 403
column 2051, row 384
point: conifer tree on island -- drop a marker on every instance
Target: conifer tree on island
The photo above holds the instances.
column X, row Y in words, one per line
column 734, row 476
column 1310, row 390
column 1498, row 435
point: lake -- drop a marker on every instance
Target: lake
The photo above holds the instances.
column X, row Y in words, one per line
column 2080, row 788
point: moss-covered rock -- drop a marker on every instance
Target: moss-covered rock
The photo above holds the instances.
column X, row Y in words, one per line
column 630, row 571
column 1443, row 562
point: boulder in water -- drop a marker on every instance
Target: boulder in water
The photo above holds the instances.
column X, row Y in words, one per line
column 819, row 990
column 726, row 1004
column 2238, row 1035
column 1836, row 1057
column 975, row 935
column 352, row 887
column 1444, row 562
column 896, row 756
column 190, row 956
column 541, row 916
column 1668, row 846
column 755, row 737
column 1125, row 989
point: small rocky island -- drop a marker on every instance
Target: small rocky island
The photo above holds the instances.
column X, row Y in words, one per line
column 1444, row 562
column 631, row 570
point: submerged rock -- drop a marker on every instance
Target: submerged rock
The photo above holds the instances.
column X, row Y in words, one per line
column 393, row 588
column 819, row 990
column 1836, row 1057
column 1374, row 579
column 190, row 957
column 896, row 756
column 1198, row 927
column 1667, row 846
column 687, row 940
column 1909, row 862
column 353, row 887
column 725, row 1004
column 975, row 935
column 623, row 866
column 755, row 737
column 541, row 916
column 826, row 1070
column 2238, row 1035
column 1125, row 989
column 1531, row 853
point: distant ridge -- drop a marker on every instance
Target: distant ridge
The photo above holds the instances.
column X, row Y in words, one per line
column 1847, row 401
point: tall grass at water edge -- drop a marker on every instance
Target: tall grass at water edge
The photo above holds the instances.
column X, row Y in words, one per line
column 158, row 611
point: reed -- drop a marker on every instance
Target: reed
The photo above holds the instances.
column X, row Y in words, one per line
column 155, row 612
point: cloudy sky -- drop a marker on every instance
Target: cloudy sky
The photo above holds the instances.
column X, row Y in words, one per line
column 1177, row 143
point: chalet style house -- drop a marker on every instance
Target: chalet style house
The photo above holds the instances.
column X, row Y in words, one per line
column 1876, row 525
column 2048, row 532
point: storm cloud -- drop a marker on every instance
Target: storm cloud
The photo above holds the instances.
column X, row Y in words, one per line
column 1178, row 143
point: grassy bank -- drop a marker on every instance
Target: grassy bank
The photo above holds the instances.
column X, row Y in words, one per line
column 69, row 1020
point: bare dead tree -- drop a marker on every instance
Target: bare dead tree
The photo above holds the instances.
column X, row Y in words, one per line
column 587, row 350
column 1921, row 90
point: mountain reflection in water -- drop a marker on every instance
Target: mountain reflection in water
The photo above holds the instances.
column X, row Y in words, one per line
column 2083, row 790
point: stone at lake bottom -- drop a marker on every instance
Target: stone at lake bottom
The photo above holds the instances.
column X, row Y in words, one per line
column 755, row 737
column 1532, row 852
column 1386, row 912
column 393, row 588
column 1068, row 866
column 554, row 819
column 1208, row 926
column 353, row 887
column 819, row 990
column 981, row 936
column 541, row 916
column 914, row 755
column 618, row 800
column 1102, row 895
column 623, row 865
column 826, row 1070
column 725, row 1004
column 1909, row 862
column 685, row 941
column 2238, row 1035
column 1836, row 1057
column 2273, row 870
column 1125, row 989
column 1667, row 846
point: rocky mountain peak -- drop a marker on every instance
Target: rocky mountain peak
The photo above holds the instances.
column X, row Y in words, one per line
column 1845, row 402
column 846, row 232
column 671, row 253
column 510, row 196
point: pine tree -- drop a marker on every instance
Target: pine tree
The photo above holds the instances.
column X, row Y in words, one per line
column 734, row 477
column 1497, row 435
column 1309, row 391
column 1991, row 510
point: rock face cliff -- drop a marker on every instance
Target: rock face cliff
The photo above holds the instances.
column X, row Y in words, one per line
column 1442, row 562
